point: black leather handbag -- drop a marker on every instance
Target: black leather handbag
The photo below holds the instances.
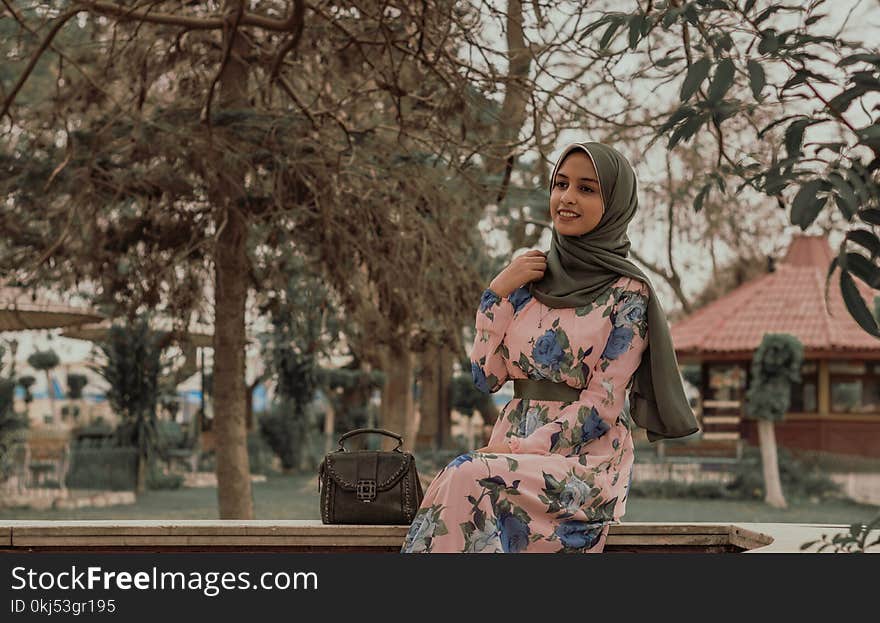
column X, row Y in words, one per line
column 369, row 486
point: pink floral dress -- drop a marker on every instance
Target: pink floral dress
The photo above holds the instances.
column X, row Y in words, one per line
column 567, row 474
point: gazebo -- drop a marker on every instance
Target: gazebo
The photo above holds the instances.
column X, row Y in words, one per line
column 836, row 407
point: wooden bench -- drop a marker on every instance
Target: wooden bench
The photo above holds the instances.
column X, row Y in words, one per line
column 313, row 536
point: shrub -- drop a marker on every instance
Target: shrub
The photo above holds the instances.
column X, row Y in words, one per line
column 259, row 454
column 157, row 480
column 103, row 468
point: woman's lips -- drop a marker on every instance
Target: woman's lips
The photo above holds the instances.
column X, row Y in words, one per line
column 562, row 216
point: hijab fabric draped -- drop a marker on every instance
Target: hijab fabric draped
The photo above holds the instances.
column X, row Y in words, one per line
column 580, row 268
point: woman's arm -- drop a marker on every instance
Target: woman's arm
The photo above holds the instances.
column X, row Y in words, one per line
column 602, row 401
column 488, row 366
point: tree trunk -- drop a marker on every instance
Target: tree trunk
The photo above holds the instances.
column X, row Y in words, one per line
column 141, row 478
column 233, row 474
column 51, row 395
column 234, row 495
column 767, row 439
column 429, row 401
column 444, row 409
column 329, row 422
column 397, row 410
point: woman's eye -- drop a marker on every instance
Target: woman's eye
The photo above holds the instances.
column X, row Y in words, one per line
column 560, row 184
column 586, row 189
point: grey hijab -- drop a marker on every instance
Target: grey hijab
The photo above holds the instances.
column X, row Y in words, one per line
column 580, row 268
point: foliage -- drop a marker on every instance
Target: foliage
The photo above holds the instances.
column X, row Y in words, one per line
column 776, row 365
column 855, row 541
column 131, row 365
column 259, row 455
column 283, row 434
column 169, row 435
column 44, row 360
column 158, row 480
column 790, row 64
column 465, row 396
column 75, row 385
column 692, row 374
column 801, row 481
column 12, row 425
column 112, row 468
column 26, row 382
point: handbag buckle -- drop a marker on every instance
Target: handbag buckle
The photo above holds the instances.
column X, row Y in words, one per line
column 366, row 490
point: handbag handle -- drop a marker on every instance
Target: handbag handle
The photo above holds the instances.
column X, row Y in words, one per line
column 363, row 431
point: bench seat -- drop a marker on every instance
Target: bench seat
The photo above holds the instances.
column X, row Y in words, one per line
column 313, row 536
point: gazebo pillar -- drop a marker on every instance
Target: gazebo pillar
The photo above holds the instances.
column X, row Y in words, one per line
column 824, row 389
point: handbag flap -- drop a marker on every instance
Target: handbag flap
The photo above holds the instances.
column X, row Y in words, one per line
column 390, row 467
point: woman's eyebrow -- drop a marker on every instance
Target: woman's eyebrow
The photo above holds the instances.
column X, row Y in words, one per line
column 583, row 179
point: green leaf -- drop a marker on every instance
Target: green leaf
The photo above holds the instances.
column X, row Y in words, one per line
column 769, row 42
column 861, row 57
column 794, row 136
column 635, row 28
column 701, row 197
column 844, row 100
column 696, row 74
column 609, row 33
column 757, row 79
column 855, row 304
column 667, row 61
column 806, row 204
column 675, row 118
column 863, row 268
column 870, row 136
column 844, row 195
column 686, row 130
column 866, row 239
column 870, row 215
column 722, row 81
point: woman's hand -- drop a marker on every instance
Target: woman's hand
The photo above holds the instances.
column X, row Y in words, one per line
column 493, row 450
column 529, row 266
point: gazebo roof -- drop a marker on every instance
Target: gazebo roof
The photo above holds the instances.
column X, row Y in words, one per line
column 788, row 300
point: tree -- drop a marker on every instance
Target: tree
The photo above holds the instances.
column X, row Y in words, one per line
column 734, row 64
column 75, row 385
column 26, row 382
column 11, row 423
column 132, row 366
column 776, row 365
column 210, row 138
column 46, row 361
column 303, row 327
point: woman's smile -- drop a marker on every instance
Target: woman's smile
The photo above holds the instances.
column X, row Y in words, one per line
column 576, row 199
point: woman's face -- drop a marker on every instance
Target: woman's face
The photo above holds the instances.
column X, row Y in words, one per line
column 575, row 202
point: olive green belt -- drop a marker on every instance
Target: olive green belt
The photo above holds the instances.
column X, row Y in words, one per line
column 543, row 389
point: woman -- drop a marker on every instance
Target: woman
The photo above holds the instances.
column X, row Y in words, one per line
column 571, row 328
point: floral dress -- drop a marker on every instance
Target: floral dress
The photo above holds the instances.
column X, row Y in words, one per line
column 568, row 471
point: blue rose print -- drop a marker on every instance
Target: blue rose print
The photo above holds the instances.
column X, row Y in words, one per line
column 462, row 458
column 618, row 342
column 514, row 533
column 488, row 300
column 594, row 426
column 547, row 351
column 480, row 381
column 631, row 311
column 519, row 298
column 576, row 533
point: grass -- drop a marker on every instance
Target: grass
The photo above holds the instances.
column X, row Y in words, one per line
column 296, row 497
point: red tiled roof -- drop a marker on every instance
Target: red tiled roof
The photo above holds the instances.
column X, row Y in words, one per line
column 789, row 300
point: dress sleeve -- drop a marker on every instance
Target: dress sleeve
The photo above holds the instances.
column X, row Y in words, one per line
column 488, row 355
column 603, row 400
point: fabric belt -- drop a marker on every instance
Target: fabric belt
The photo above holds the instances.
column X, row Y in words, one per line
column 543, row 389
